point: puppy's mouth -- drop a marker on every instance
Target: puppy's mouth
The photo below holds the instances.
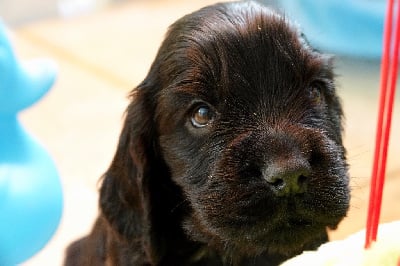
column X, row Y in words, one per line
column 299, row 219
column 287, row 237
column 290, row 229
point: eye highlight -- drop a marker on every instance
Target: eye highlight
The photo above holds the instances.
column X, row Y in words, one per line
column 202, row 116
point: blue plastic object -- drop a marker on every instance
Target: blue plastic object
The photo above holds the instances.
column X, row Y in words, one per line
column 350, row 27
column 30, row 189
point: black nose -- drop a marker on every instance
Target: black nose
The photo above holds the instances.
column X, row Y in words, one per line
column 287, row 177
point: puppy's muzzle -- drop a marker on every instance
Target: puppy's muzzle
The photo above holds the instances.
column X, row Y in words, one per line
column 280, row 159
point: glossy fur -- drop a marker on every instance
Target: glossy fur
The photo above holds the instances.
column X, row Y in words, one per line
column 257, row 184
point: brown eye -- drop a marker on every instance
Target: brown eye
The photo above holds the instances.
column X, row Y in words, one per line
column 201, row 116
column 315, row 93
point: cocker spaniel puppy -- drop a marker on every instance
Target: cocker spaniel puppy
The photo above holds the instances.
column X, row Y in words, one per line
column 231, row 152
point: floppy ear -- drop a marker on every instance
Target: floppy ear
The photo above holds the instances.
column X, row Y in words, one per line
column 126, row 191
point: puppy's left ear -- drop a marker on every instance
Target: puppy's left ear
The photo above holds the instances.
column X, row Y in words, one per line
column 129, row 189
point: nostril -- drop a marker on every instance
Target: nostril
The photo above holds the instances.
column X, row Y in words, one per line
column 275, row 181
column 302, row 180
column 278, row 183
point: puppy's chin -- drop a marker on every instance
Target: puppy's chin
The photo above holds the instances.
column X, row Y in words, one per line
column 286, row 237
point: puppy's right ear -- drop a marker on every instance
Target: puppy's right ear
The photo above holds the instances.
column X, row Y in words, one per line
column 125, row 193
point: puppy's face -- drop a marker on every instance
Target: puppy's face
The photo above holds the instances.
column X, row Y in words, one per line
column 250, row 127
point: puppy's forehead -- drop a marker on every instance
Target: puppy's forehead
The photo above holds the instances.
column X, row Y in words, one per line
column 238, row 45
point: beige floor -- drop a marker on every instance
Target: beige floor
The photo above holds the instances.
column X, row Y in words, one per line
column 103, row 55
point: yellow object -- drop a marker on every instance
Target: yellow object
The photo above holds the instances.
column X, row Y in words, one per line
column 351, row 252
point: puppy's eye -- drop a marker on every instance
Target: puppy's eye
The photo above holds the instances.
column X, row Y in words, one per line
column 201, row 116
column 314, row 93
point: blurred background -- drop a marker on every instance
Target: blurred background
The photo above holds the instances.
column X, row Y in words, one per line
column 104, row 49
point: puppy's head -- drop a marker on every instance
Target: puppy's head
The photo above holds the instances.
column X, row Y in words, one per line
column 247, row 126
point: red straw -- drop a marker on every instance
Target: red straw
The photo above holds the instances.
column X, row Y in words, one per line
column 388, row 71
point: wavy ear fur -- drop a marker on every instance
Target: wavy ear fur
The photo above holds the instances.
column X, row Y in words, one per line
column 124, row 199
column 126, row 192
column 137, row 196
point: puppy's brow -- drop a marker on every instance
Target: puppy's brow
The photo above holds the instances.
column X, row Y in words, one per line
column 184, row 92
column 238, row 139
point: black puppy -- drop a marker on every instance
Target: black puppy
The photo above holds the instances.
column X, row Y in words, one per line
column 231, row 152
